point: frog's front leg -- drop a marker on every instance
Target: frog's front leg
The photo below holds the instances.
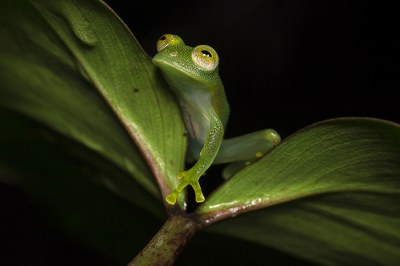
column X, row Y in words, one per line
column 190, row 177
column 207, row 155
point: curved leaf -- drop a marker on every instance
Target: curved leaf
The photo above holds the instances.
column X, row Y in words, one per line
column 349, row 154
column 79, row 70
column 346, row 228
column 58, row 187
column 336, row 185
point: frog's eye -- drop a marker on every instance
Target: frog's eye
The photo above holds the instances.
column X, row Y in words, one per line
column 205, row 57
column 168, row 39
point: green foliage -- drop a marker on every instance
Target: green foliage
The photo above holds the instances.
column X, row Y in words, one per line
column 330, row 193
column 90, row 89
column 336, row 187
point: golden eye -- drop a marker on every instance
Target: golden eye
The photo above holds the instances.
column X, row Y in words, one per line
column 205, row 57
column 168, row 39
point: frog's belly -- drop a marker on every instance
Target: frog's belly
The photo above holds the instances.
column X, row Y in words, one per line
column 197, row 126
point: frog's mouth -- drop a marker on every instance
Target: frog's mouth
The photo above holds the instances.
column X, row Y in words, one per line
column 174, row 71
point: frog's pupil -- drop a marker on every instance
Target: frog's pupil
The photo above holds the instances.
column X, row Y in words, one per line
column 163, row 38
column 206, row 53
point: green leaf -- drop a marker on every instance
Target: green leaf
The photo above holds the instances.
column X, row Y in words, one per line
column 345, row 228
column 58, row 187
column 336, row 185
column 75, row 67
column 24, row 141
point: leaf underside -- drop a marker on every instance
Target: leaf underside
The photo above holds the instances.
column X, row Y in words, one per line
column 75, row 67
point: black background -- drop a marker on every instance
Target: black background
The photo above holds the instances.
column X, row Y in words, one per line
column 287, row 64
column 284, row 64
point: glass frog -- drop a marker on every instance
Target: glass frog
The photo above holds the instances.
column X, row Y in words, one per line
column 192, row 74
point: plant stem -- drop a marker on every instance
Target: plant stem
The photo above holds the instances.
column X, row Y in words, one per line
column 167, row 244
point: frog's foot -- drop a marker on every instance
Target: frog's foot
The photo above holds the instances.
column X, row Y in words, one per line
column 171, row 198
column 188, row 178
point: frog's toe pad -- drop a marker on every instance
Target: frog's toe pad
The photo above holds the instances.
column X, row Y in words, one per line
column 188, row 179
column 200, row 198
column 197, row 191
column 171, row 198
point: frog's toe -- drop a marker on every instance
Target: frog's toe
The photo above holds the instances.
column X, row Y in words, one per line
column 197, row 190
column 200, row 198
column 188, row 178
column 272, row 136
column 171, row 198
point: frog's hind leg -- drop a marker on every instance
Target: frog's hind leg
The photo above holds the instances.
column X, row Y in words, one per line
column 241, row 151
column 247, row 147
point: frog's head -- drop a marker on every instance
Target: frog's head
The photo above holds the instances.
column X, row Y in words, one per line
column 182, row 65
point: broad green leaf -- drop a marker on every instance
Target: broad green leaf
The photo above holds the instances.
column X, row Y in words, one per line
column 23, row 140
column 340, row 229
column 353, row 154
column 75, row 67
column 58, row 186
column 336, row 185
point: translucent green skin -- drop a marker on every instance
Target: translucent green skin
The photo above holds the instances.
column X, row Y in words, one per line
column 205, row 110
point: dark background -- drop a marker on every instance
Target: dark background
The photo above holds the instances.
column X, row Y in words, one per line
column 284, row 64
column 287, row 64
